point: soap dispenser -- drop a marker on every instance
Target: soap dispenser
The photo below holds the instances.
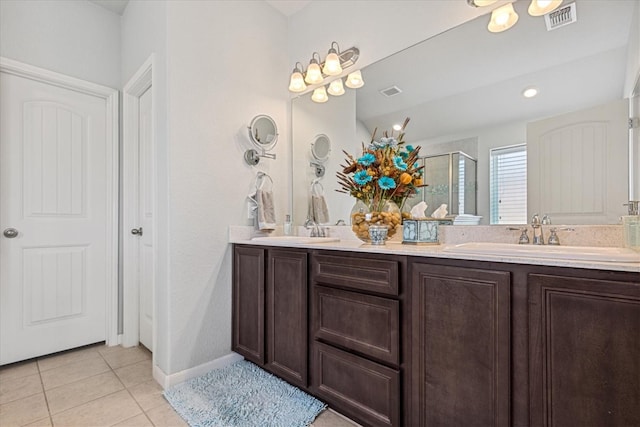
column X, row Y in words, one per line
column 288, row 226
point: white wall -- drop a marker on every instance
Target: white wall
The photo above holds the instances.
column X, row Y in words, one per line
column 378, row 28
column 75, row 38
column 144, row 31
column 227, row 62
column 633, row 53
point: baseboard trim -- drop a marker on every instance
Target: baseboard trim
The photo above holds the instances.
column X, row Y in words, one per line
column 167, row 381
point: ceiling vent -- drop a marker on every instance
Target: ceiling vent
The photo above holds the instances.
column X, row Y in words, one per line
column 391, row 91
column 560, row 17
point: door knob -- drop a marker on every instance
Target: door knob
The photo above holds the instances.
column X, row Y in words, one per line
column 10, row 233
column 137, row 231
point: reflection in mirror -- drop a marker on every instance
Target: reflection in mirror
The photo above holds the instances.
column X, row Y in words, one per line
column 463, row 92
column 320, row 148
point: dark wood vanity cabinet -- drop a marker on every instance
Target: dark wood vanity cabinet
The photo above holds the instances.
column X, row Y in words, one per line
column 391, row 340
column 355, row 321
column 461, row 343
column 270, row 310
column 584, row 342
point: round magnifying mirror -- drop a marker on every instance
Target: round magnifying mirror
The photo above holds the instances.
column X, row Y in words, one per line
column 263, row 132
column 321, row 148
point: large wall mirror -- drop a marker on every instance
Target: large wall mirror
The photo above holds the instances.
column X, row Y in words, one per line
column 463, row 91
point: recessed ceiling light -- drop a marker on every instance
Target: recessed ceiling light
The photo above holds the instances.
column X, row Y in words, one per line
column 397, row 127
column 530, row 92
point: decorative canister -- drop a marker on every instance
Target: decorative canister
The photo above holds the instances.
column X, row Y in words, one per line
column 422, row 231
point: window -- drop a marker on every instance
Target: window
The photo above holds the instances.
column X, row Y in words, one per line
column 508, row 185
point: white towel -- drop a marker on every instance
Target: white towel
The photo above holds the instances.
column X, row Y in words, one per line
column 266, row 210
column 320, row 210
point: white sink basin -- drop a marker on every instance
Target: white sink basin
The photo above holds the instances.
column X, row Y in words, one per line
column 580, row 253
column 296, row 239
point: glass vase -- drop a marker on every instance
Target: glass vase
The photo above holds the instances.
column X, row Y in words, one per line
column 362, row 217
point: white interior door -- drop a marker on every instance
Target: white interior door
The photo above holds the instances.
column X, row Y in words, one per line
column 585, row 150
column 56, row 189
column 145, row 214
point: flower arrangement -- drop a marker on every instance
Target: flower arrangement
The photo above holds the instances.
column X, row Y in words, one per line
column 387, row 170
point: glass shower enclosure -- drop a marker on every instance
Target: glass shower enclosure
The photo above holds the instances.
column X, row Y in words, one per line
column 451, row 179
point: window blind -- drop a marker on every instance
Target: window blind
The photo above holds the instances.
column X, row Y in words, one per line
column 508, row 185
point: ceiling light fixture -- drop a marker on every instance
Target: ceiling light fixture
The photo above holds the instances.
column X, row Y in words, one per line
column 332, row 66
column 530, row 92
column 397, row 127
column 542, row 7
column 502, row 18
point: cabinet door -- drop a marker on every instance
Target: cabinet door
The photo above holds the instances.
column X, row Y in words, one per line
column 287, row 315
column 584, row 367
column 460, row 372
column 248, row 303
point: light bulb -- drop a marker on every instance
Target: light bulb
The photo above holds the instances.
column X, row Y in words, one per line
column 336, row 88
column 296, row 84
column 397, row 127
column 320, row 95
column 314, row 75
column 354, row 80
column 502, row 18
column 332, row 65
column 542, row 7
column 530, row 92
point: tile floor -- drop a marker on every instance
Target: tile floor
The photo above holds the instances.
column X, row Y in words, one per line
column 94, row 386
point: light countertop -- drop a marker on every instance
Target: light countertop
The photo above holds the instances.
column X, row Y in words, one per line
column 396, row 247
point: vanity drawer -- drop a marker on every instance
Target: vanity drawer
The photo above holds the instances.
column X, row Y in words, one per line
column 357, row 387
column 366, row 324
column 368, row 274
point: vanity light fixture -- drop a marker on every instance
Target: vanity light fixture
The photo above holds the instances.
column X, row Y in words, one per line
column 502, row 18
column 332, row 66
column 354, row 80
column 319, row 95
column 505, row 17
column 314, row 75
column 542, row 7
column 296, row 83
column 530, row 92
column 336, row 88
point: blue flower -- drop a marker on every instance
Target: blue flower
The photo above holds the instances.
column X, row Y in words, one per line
column 403, row 154
column 361, row 177
column 399, row 163
column 386, row 183
column 409, row 148
column 367, row 159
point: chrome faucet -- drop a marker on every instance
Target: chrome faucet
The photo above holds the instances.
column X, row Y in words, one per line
column 538, row 238
column 316, row 230
column 553, row 237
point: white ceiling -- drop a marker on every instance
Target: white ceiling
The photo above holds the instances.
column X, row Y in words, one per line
column 468, row 78
column 288, row 7
column 115, row 6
